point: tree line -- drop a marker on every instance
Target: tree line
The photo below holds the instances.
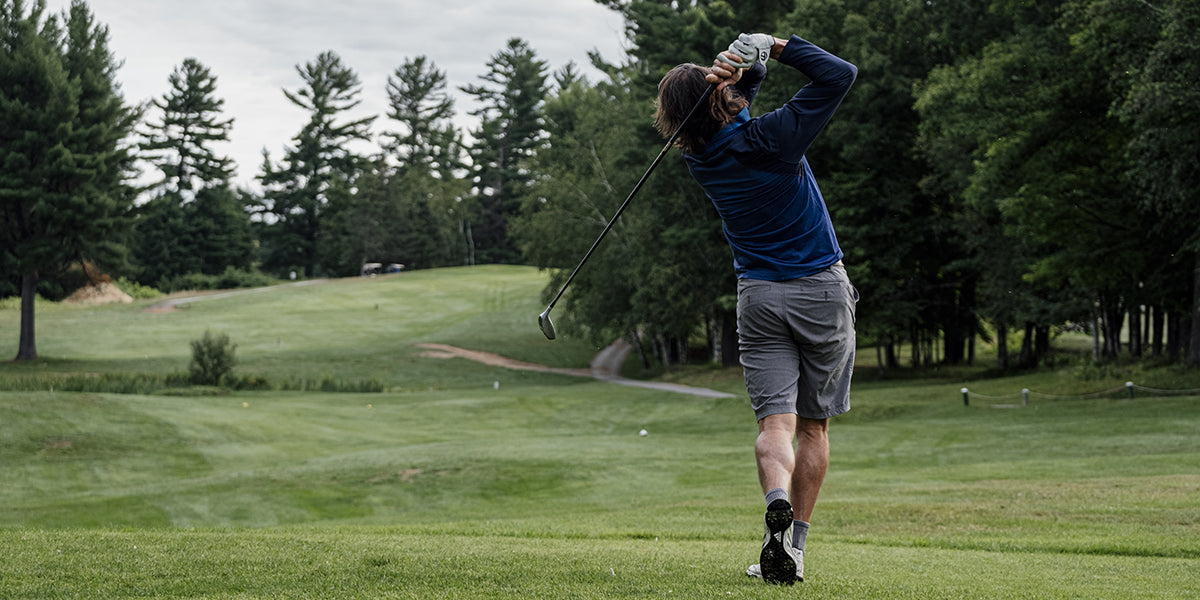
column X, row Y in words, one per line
column 998, row 168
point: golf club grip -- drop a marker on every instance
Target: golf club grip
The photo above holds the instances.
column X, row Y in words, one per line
column 671, row 140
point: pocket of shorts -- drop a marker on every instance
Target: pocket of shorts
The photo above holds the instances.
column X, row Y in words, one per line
column 853, row 297
column 753, row 292
column 757, row 304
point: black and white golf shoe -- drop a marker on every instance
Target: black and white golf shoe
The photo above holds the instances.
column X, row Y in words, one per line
column 779, row 562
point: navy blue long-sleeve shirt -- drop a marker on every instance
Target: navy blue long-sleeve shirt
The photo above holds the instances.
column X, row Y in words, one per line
column 756, row 175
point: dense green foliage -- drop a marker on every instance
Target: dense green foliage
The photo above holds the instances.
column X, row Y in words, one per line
column 987, row 172
column 981, row 176
column 1001, row 171
column 403, row 209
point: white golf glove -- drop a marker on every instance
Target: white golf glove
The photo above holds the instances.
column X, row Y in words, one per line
column 752, row 48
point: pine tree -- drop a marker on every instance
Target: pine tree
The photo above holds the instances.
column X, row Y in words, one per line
column 365, row 228
column 162, row 244
column 429, row 165
column 180, row 145
column 510, row 132
column 196, row 223
column 62, row 147
column 219, row 228
column 317, row 172
column 420, row 104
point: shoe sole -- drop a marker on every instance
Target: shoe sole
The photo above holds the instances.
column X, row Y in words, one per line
column 777, row 565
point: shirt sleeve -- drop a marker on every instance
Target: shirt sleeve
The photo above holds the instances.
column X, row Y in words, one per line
column 750, row 81
column 786, row 132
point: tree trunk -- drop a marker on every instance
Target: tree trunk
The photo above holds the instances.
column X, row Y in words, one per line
column 1156, row 330
column 1135, row 331
column 955, row 332
column 712, row 340
column 27, row 348
column 1194, row 341
column 887, row 345
column 636, row 341
column 1173, row 328
column 1027, row 359
column 470, row 246
column 1147, row 313
column 1002, row 347
column 1113, row 324
column 729, row 339
column 972, row 320
column 1041, row 342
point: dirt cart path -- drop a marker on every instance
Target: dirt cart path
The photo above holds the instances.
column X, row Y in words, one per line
column 606, row 366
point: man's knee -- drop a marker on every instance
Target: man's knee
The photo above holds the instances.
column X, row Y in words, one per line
column 810, row 427
column 785, row 422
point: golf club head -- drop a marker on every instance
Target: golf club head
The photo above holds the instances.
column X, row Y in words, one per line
column 546, row 324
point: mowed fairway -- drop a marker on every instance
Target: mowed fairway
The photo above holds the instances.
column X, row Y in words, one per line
column 470, row 481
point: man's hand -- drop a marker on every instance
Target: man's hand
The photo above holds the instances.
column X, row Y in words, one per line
column 753, row 48
column 727, row 69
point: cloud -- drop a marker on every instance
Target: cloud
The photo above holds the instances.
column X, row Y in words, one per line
column 253, row 47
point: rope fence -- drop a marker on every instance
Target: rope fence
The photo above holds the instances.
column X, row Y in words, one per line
column 1129, row 390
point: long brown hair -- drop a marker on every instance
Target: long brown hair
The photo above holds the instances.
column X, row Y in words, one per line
column 678, row 92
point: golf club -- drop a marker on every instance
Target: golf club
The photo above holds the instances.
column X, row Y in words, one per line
column 544, row 319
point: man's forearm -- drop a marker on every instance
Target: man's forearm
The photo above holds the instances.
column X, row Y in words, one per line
column 823, row 68
column 780, row 43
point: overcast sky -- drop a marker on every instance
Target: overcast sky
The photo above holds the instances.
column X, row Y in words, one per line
column 253, row 47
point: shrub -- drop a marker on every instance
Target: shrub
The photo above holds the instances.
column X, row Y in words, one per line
column 212, row 359
column 231, row 278
column 187, row 281
column 238, row 278
column 136, row 290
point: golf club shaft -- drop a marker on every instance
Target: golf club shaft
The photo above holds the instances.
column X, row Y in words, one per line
column 611, row 222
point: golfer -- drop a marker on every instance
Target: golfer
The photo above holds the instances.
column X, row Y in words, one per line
column 796, row 307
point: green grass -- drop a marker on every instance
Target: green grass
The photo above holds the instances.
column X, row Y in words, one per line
column 445, row 487
column 352, row 329
column 352, row 562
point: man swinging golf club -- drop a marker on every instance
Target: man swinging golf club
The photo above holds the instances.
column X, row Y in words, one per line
column 796, row 307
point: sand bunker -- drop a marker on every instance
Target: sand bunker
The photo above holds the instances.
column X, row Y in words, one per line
column 104, row 293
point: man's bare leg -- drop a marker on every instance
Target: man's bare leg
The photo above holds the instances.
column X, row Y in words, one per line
column 811, row 462
column 780, row 561
column 774, row 453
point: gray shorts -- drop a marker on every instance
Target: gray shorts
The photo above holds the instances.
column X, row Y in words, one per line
column 797, row 343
